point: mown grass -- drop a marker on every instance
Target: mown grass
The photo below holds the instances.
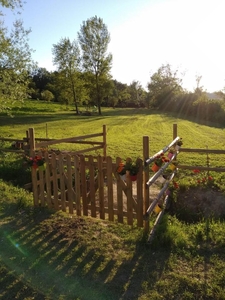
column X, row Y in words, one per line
column 48, row 255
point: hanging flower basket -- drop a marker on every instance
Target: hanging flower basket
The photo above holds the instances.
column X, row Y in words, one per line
column 133, row 177
column 155, row 167
column 131, row 166
column 35, row 162
column 158, row 208
column 173, row 167
column 42, row 167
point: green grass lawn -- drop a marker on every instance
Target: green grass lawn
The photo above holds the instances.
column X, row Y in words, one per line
column 48, row 255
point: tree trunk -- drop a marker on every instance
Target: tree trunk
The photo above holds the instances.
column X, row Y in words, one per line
column 99, row 109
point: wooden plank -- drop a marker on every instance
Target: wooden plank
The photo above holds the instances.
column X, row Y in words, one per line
column 69, row 184
column 77, row 185
column 89, row 149
column 194, row 150
column 48, row 180
column 66, row 140
column 92, row 191
column 174, row 131
column 12, row 139
column 83, row 185
column 104, row 141
column 61, row 182
column 129, row 201
column 109, row 172
column 55, row 182
column 119, row 194
column 41, row 185
column 140, row 195
column 72, row 141
column 201, row 168
column 101, row 187
column 146, row 179
column 35, row 186
column 31, row 141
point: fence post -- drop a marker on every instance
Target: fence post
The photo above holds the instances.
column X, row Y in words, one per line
column 146, row 178
column 174, row 131
column 104, row 141
column 31, row 141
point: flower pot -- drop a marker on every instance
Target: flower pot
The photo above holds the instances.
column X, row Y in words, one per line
column 35, row 166
column 161, row 179
column 157, row 208
column 172, row 167
column 123, row 177
column 42, row 167
column 170, row 155
column 133, row 177
column 155, row 168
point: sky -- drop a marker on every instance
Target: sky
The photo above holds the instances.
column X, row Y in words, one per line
column 145, row 34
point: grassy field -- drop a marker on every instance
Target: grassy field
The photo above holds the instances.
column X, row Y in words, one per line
column 48, row 255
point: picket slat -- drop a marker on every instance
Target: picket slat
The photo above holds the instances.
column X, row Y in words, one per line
column 110, row 187
column 70, row 185
column 91, row 182
column 62, row 183
column 101, row 187
column 77, row 185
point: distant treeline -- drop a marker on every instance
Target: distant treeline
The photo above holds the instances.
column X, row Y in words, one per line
column 165, row 93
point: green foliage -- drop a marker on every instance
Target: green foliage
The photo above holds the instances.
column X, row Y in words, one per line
column 47, row 95
column 94, row 39
column 15, row 61
column 163, row 87
column 12, row 3
column 66, row 55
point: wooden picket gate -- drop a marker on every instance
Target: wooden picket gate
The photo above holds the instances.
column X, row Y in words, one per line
column 89, row 186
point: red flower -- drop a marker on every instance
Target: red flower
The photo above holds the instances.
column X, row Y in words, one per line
column 210, row 178
column 196, row 171
column 176, row 185
column 199, row 181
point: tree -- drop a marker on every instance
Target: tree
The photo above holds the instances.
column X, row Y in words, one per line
column 94, row 39
column 47, row 95
column 138, row 94
column 15, row 60
column 66, row 55
column 12, row 3
column 164, row 86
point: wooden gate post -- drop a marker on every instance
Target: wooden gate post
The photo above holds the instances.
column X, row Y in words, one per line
column 31, row 141
column 146, row 178
column 104, row 141
column 174, row 131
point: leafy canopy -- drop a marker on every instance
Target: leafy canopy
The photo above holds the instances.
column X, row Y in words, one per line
column 15, row 60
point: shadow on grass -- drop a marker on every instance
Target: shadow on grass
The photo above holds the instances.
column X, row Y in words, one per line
column 21, row 119
column 49, row 256
column 59, row 257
